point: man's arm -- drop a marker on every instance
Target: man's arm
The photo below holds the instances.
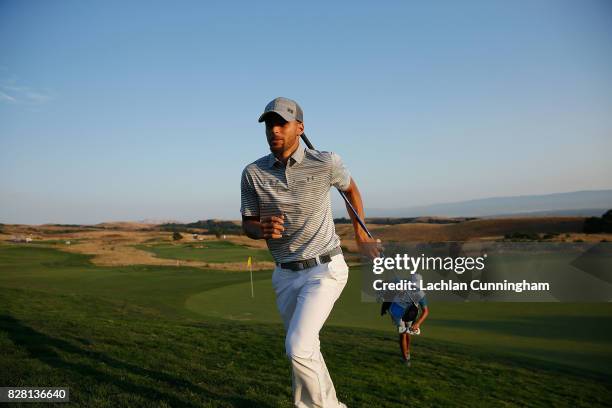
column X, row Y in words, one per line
column 266, row 228
column 252, row 227
column 421, row 318
column 368, row 246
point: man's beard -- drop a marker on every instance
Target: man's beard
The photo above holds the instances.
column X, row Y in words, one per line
column 277, row 149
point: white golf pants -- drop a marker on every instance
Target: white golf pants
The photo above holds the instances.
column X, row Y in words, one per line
column 304, row 299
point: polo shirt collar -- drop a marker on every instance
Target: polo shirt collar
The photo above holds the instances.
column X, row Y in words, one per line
column 296, row 157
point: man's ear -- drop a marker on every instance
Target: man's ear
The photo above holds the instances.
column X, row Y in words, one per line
column 301, row 127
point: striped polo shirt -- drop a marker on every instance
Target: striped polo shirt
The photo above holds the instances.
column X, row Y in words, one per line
column 301, row 191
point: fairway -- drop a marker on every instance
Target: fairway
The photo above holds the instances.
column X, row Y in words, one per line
column 181, row 336
column 207, row 251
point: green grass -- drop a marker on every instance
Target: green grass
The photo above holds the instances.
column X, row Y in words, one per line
column 572, row 335
column 207, row 251
column 138, row 336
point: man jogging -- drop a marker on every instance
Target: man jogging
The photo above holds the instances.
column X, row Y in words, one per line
column 408, row 311
column 285, row 199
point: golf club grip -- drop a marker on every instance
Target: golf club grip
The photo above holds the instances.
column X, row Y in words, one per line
column 348, row 203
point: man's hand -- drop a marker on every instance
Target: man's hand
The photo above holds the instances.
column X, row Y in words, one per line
column 272, row 227
column 384, row 308
column 369, row 247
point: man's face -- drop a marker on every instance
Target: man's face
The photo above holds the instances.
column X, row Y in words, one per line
column 282, row 135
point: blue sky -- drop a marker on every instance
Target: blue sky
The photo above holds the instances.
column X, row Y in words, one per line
column 132, row 110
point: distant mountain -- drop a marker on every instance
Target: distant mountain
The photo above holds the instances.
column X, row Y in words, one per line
column 585, row 212
column 577, row 203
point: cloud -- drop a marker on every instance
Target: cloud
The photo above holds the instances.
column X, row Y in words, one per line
column 14, row 93
column 6, row 98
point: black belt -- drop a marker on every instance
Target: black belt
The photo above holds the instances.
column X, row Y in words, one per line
column 309, row 263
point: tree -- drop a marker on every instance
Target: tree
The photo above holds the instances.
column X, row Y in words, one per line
column 593, row 225
column 177, row 236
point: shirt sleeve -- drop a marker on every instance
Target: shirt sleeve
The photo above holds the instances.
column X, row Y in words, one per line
column 423, row 302
column 249, row 204
column 340, row 177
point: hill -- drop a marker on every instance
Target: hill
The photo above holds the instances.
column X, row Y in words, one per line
column 584, row 203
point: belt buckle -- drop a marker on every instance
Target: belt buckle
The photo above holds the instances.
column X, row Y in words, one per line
column 317, row 260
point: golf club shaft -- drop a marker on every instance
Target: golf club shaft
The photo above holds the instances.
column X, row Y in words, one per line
column 346, row 200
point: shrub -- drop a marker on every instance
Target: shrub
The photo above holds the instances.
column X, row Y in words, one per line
column 594, row 225
column 522, row 236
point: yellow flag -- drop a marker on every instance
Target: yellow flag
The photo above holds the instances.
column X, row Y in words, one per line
column 249, row 262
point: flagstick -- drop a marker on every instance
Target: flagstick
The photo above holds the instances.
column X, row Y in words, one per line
column 251, row 270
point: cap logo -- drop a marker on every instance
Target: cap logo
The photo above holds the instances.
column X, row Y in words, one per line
column 290, row 110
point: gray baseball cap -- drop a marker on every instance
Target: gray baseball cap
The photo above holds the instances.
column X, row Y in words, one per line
column 288, row 109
